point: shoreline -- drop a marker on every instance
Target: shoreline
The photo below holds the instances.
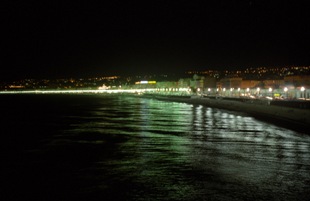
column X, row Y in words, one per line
column 292, row 118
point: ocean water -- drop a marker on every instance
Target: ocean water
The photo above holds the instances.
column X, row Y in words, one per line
column 118, row 147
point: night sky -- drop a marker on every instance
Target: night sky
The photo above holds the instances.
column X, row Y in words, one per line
column 47, row 39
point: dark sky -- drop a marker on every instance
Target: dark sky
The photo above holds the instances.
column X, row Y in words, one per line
column 69, row 38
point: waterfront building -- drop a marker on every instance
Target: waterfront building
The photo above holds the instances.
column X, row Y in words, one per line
column 274, row 84
column 231, row 82
column 184, row 82
column 249, row 84
column 297, row 80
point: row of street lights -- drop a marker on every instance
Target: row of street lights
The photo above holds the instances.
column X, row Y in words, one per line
column 271, row 93
column 257, row 91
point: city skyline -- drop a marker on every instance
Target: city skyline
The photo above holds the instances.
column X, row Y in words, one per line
column 299, row 75
column 57, row 39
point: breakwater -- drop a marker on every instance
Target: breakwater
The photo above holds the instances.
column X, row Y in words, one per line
column 271, row 111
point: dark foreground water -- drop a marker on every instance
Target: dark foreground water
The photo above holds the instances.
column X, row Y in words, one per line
column 99, row 147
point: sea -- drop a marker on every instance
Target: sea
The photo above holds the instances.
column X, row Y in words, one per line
column 126, row 147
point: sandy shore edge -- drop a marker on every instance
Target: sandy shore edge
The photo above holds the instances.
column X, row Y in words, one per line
column 294, row 118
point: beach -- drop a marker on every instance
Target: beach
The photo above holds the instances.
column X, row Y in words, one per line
column 270, row 111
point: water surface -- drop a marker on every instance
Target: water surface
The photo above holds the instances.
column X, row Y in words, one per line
column 100, row 147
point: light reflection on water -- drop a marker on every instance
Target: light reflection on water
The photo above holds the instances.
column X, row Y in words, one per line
column 185, row 152
column 129, row 148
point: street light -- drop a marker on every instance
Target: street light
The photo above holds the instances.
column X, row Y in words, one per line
column 302, row 89
column 270, row 91
column 285, row 90
column 258, row 89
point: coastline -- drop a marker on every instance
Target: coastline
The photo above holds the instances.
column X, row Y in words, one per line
column 292, row 118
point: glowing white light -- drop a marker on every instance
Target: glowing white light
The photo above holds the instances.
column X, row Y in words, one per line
column 270, row 89
column 224, row 89
column 238, row 89
column 248, row 89
column 302, row 89
column 78, row 91
column 285, row 89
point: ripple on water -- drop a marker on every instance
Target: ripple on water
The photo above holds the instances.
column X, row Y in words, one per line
column 125, row 148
